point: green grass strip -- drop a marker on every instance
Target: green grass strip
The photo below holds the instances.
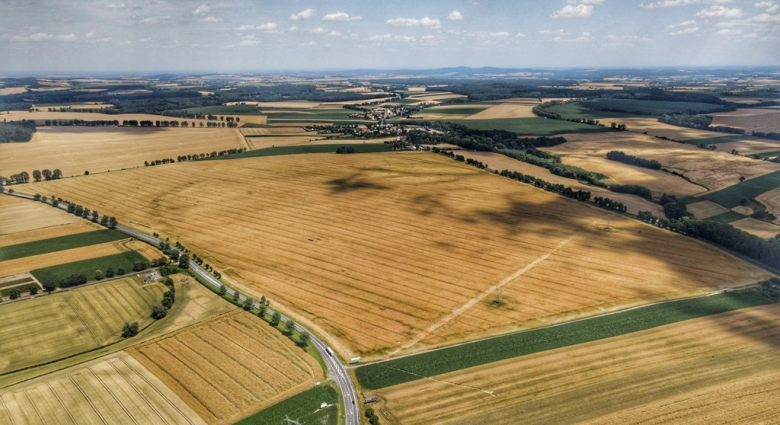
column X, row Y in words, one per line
column 303, row 407
column 61, row 243
column 295, row 150
column 750, row 189
column 88, row 267
column 727, row 217
column 411, row 368
column 11, row 283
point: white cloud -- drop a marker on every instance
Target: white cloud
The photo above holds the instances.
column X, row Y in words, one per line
column 582, row 38
column 763, row 4
column 773, row 9
column 425, row 22
column 115, row 6
column 683, row 24
column 393, row 37
column 201, row 10
column 558, row 32
column 40, row 36
column 685, row 31
column 340, row 16
column 594, row 2
column 569, row 11
column 729, row 32
column 303, row 15
column 718, row 11
column 67, row 37
column 210, row 19
column 765, row 18
column 520, row 35
column 455, row 16
column 249, row 43
column 677, row 3
column 90, row 34
column 271, row 26
column 125, row 43
column 319, row 30
column 334, row 33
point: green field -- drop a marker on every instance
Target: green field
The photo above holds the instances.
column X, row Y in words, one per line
column 767, row 154
column 726, row 217
column 296, row 150
column 393, row 372
column 594, row 108
column 463, row 110
column 730, row 196
column 226, row 110
column 531, row 126
column 88, row 267
column 59, row 244
column 720, row 139
column 303, row 408
column 11, row 283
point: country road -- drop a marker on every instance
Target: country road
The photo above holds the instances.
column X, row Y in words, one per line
column 335, row 369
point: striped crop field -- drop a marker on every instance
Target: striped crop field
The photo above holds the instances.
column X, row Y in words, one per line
column 229, row 367
column 395, row 252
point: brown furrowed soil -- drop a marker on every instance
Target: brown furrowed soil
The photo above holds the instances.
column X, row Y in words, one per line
column 379, row 250
column 505, row 110
column 717, row 369
column 706, row 209
column 764, row 120
column 713, row 169
column 759, row 228
column 22, row 215
column 115, row 389
column 229, row 367
column 75, row 150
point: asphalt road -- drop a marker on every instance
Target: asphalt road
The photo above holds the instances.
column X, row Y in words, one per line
column 335, row 369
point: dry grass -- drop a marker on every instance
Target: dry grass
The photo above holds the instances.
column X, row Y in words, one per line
column 276, row 141
column 42, row 116
column 82, row 226
column 375, row 249
column 706, row 209
column 499, row 162
column 718, row 369
column 765, row 120
column 506, row 110
column 115, row 390
column 262, row 366
column 713, row 169
column 76, row 149
column 749, row 147
column 4, row 91
column 21, row 215
column 757, row 227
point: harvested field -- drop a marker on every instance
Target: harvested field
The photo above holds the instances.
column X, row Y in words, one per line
column 46, row 329
column 657, row 181
column 706, row 209
column 750, row 147
column 764, row 120
column 712, row 367
column 27, row 264
column 313, row 140
column 76, row 149
column 655, row 128
column 82, row 226
column 263, row 367
column 497, row 161
column 452, row 112
column 115, row 389
column 354, row 244
column 23, row 215
column 60, row 244
column 41, row 116
column 274, row 131
column 4, row 91
column 757, row 227
column 713, row 169
column 505, row 110
column 770, row 199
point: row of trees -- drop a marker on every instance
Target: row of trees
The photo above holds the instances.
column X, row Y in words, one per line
column 553, row 163
column 633, row 189
column 85, row 213
column 580, row 195
column 476, row 140
column 37, row 175
column 633, row 160
column 773, row 136
column 21, row 131
column 701, row 122
column 194, row 157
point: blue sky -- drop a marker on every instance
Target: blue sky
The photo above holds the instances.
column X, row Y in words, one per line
column 243, row 35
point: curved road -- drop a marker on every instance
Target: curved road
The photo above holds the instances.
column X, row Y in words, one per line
column 335, row 369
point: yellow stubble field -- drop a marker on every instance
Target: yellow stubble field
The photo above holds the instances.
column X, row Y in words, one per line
column 717, row 369
column 764, row 120
column 396, row 252
column 21, row 215
column 75, row 150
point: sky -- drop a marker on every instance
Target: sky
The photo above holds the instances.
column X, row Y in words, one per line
column 243, row 35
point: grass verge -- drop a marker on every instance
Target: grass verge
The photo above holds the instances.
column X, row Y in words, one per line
column 61, row 243
column 411, row 368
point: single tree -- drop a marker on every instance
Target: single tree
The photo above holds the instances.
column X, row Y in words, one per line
column 741, row 179
column 14, row 293
column 46, row 174
column 236, row 297
column 130, row 330
column 290, row 325
column 276, row 318
column 184, row 261
column 104, row 221
column 120, row 270
column 158, row 312
column 248, row 304
column 99, row 275
column 304, row 338
column 222, row 290
column 109, row 272
column 33, row 289
column 37, row 175
column 49, row 286
column 111, row 222
column 139, row 266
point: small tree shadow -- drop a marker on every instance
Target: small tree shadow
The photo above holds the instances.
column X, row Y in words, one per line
column 352, row 183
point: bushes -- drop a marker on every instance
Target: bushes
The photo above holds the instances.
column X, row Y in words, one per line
column 373, row 419
column 633, row 160
column 633, row 189
column 345, row 149
column 73, row 280
column 16, row 131
column 159, row 311
column 130, row 330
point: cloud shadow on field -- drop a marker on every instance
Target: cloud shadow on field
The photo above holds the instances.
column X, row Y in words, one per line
column 353, row 183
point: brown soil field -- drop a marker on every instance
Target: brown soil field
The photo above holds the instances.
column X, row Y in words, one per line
column 744, row 210
column 505, row 110
column 771, row 200
column 76, row 149
column 718, row 369
column 712, row 169
column 706, row 209
column 757, row 227
column 499, row 162
column 115, row 389
column 262, row 367
column 657, row 181
column 49, row 232
column 22, row 215
column 655, row 128
column 765, row 120
column 356, row 246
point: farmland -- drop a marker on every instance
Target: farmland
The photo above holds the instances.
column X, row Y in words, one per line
column 716, row 369
column 750, row 189
column 771, row 200
column 114, row 389
column 706, row 209
column 757, row 227
column 46, row 329
column 531, row 126
column 763, row 120
column 330, row 227
column 20, row 215
column 81, row 226
column 308, row 148
column 713, row 170
column 55, row 259
column 506, row 110
column 599, row 108
column 420, row 366
column 263, row 367
column 303, row 407
column 88, row 266
column 75, row 150
column 60, row 243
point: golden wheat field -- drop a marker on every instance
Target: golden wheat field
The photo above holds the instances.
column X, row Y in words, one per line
column 506, row 110
column 402, row 250
column 75, row 150
column 26, row 264
column 499, row 162
column 718, row 369
column 22, row 215
column 706, row 209
column 712, row 169
column 229, row 367
column 759, row 228
column 115, row 389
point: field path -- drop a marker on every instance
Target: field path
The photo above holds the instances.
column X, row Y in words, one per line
column 462, row 309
